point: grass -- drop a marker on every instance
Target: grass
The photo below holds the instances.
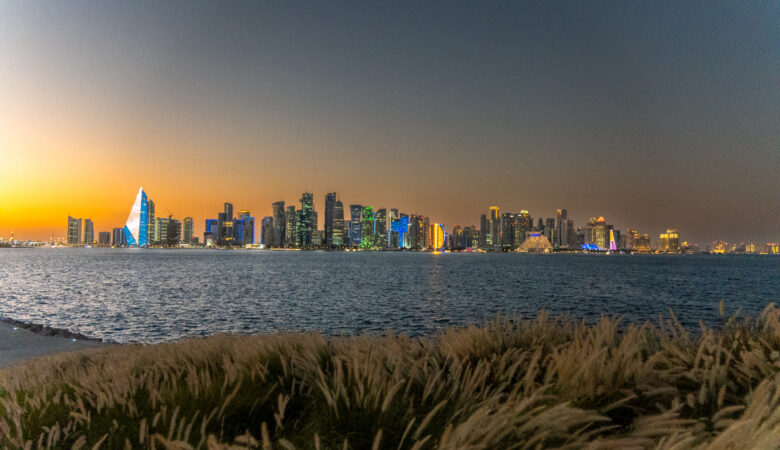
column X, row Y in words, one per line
column 510, row 383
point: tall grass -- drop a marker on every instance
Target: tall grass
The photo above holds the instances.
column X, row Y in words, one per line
column 510, row 383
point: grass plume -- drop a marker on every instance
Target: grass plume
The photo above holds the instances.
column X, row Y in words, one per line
column 509, row 383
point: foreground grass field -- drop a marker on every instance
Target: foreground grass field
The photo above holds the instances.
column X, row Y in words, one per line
column 507, row 384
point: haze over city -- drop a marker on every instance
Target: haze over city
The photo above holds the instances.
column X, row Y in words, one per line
column 656, row 115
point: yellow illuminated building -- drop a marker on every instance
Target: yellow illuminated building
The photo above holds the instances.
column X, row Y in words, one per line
column 669, row 242
column 437, row 236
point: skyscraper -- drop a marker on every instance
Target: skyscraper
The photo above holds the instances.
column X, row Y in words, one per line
column 571, row 235
column 280, row 225
column 137, row 227
column 211, row 235
column 151, row 223
column 118, row 238
column 549, row 231
column 669, row 242
column 267, row 232
column 507, row 231
column 493, row 237
column 393, row 234
column 161, row 231
column 367, row 232
column 305, row 224
column 247, row 228
column 173, row 233
column 354, row 228
column 89, row 232
column 186, row 230
column 380, row 228
column 74, row 230
column 561, row 230
column 438, row 237
column 330, row 205
column 483, row 231
column 290, row 218
column 338, row 224
column 104, row 238
column 596, row 233
column 226, row 232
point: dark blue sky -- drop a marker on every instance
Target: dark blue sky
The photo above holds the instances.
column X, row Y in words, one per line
column 652, row 114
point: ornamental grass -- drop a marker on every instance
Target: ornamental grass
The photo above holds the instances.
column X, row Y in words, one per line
column 549, row 382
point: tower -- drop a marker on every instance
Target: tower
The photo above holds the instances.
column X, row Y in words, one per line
column 330, row 205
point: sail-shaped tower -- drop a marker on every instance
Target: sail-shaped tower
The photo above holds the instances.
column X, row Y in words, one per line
column 136, row 229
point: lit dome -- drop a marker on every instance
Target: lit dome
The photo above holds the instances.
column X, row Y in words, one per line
column 535, row 243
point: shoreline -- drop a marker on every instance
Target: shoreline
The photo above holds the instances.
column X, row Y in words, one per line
column 22, row 341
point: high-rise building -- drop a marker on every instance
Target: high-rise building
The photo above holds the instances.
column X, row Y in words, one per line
column 368, row 231
column 561, row 230
column 89, row 232
column 186, row 230
column 137, row 227
column 74, row 230
column 211, row 235
column 549, row 230
column 438, row 237
column 306, row 222
column 356, row 212
column 104, row 238
column 494, row 224
column 393, row 234
column 173, row 233
column 338, row 224
column 474, row 243
column 669, row 242
column 118, row 238
column 524, row 223
column 151, row 222
column 267, row 232
column 571, row 235
column 317, row 238
column 330, row 206
column 507, row 231
column 418, row 231
column 483, row 231
column 642, row 243
column 596, row 233
column 161, row 230
column 380, row 228
column 280, row 225
column 291, row 218
column 226, row 226
column 247, row 228
column 228, row 210
column 457, row 238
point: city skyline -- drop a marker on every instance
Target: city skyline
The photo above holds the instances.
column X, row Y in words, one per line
column 496, row 230
column 655, row 116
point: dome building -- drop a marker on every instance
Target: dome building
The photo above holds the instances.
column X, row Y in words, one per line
column 535, row 243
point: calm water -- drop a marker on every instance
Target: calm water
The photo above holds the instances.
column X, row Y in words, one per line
column 157, row 295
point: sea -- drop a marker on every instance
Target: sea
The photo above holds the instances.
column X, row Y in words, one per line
column 155, row 295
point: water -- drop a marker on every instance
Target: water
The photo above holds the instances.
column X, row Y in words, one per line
column 131, row 295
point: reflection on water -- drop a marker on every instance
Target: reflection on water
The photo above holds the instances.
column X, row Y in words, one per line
column 157, row 295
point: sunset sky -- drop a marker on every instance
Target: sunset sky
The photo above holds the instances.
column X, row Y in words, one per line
column 651, row 114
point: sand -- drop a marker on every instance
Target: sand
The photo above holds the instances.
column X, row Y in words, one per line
column 18, row 344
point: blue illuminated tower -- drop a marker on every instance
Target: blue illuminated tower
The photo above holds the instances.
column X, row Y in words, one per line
column 136, row 227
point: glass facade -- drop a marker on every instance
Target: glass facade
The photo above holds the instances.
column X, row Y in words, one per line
column 137, row 226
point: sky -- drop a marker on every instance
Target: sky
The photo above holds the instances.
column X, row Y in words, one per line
column 655, row 115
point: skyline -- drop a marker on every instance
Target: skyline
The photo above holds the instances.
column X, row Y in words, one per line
column 137, row 217
column 654, row 116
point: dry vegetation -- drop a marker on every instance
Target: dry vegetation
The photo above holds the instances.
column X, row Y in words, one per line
column 507, row 384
